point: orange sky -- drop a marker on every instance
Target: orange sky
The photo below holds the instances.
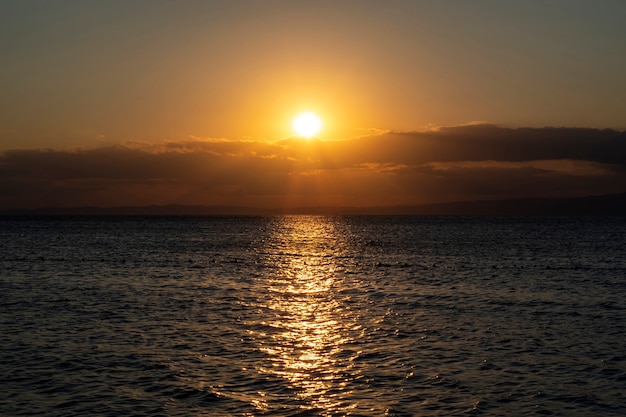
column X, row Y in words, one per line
column 158, row 102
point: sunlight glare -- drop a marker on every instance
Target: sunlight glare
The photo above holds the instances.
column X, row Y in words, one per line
column 308, row 344
column 307, row 124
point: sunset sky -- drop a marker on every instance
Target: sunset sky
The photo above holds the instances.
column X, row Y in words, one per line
column 108, row 103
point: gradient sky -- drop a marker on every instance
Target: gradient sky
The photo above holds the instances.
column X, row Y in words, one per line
column 92, row 81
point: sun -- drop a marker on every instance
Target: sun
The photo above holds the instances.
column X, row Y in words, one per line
column 307, row 124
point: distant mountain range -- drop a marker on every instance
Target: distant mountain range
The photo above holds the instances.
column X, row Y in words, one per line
column 604, row 205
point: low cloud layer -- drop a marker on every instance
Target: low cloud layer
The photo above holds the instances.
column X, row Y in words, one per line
column 473, row 162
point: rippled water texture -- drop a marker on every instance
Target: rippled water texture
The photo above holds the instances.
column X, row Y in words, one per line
column 312, row 316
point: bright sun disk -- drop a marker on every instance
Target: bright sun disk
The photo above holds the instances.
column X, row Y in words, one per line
column 307, row 124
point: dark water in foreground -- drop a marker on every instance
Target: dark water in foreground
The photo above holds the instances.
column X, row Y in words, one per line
column 313, row 316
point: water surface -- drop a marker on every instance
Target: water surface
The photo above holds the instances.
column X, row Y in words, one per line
column 312, row 316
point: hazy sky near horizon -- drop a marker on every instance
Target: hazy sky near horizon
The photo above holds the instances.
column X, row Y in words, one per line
column 155, row 102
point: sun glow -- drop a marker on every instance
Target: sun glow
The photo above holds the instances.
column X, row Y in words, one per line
column 307, row 124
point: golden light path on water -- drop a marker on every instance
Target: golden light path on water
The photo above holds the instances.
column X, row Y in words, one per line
column 310, row 329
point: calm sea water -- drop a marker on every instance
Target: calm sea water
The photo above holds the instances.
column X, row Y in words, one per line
column 312, row 316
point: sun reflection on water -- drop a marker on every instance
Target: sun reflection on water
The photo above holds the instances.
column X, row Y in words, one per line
column 306, row 345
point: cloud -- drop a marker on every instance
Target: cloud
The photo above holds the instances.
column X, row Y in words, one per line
column 490, row 142
column 470, row 162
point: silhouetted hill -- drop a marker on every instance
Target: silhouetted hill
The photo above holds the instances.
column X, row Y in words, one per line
column 605, row 205
column 165, row 210
column 614, row 204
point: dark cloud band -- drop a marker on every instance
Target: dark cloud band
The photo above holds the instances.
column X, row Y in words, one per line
column 453, row 163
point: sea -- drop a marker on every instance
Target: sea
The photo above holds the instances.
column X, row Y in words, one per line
column 312, row 316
